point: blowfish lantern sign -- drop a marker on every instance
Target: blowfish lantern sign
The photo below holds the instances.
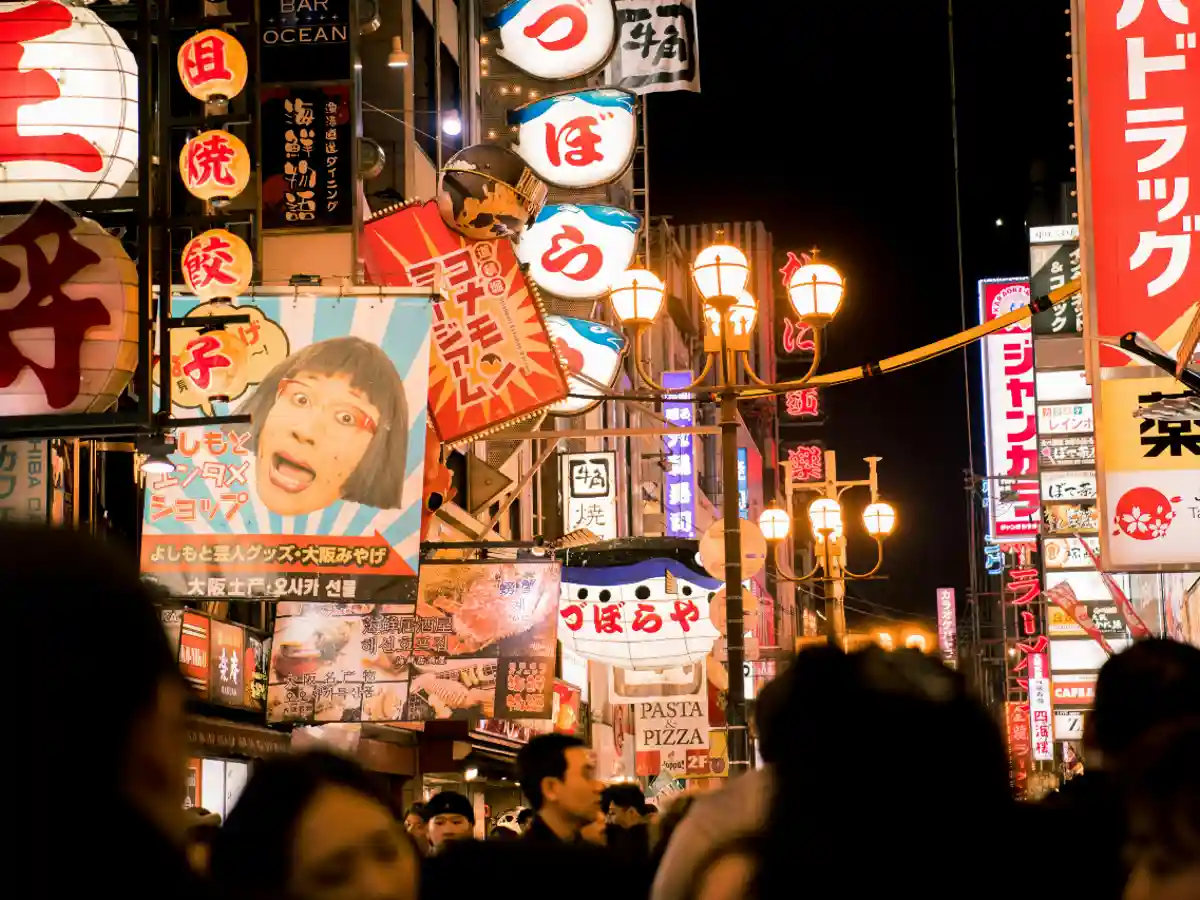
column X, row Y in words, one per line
column 577, row 252
column 215, row 166
column 556, row 39
column 217, row 264
column 592, row 352
column 650, row 615
column 68, row 104
column 577, row 139
column 212, row 65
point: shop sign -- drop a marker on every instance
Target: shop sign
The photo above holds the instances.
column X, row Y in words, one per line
column 743, row 482
column 577, row 139
column 304, row 40
column 1059, row 486
column 215, row 166
column 1011, row 415
column 591, row 352
column 1104, row 617
column 1062, row 384
column 307, row 178
column 1020, row 744
column 657, row 46
column 947, row 620
column 650, row 615
column 1054, row 265
column 1083, row 654
column 230, row 739
column 491, row 360
column 1151, row 478
column 24, row 481
column 589, row 492
column 1041, row 719
column 806, row 462
column 222, row 661
column 1074, row 690
column 477, row 642
column 212, row 65
column 673, row 683
column 680, row 410
column 1067, row 452
column 1068, row 553
column 804, row 403
column 216, row 264
column 577, row 252
column 226, row 669
column 313, row 500
column 565, row 717
column 665, row 732
column 1068, row 724
column 70, row 115
column 1070, row 518
column 1065, row 418
column 555, row 40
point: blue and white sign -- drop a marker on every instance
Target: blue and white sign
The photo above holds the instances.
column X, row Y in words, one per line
column 556, row 39
column 577, row 139
column 578, row 251
column 680, row 505
column 743, row 481
column 592, row 353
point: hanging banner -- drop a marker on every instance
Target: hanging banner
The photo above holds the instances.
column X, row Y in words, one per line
column 668, row 733
column 589, row 492
column 1054, row 261
column 680, row 480
column 1041, row 719
column 1063, row 596
column 947, row 619
column 307, row 176
column 492, row 362
column 657, row 47
column 477, row 642
column 320, row 496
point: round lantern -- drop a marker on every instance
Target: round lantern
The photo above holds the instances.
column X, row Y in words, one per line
column 217, row 265
column 215, row 166
column 70, row 289
column 71, row 84
column 212, row 65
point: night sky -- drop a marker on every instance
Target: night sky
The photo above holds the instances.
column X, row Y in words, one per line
column 832, row 124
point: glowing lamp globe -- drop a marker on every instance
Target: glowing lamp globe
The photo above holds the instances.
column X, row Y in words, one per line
column 70, row 107
column 825, row 515
column 212, row 65
column 636, row 296
column 70, row 293
column 217, row 265
column 879, row 519
column 720, row 270
column 774, row 523
column 215, row 166
column 815, row 291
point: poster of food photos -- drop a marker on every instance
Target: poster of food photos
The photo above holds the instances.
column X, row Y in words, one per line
column 477, row 642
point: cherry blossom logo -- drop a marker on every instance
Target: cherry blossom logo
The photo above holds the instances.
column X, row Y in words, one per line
column 1144, row 514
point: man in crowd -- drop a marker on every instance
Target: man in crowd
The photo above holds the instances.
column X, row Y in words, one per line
column 417, row 826
column 451, row 818
column 558, row 775
column 624, row 805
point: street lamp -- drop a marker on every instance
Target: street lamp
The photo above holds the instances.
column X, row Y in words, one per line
column 774, row 523
column 721, row 274
column 879, row 519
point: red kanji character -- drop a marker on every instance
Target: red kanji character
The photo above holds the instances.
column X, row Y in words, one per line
column 210, row 160
column 548, row 21
column 1024, row 582
column 807, row 463
column 1028, row 622
column 685, row 613
column 1018, row 358
column 447, row 334
column 484, row 331
column 1020, row 437
column 204, row 61
column 1018, row 390
column 468, row 293
column 573, row 615
column 205, row 356
column 45, row 304
column 579, row 136
column 249, row 332
column 646, row 619
column 466, row 396
column 607, row 618
column 459, row 266
column 209, row 262
column 505, row 374
column 1021, row 460
column 804, row 403
column 558, row 258
column 26, row 88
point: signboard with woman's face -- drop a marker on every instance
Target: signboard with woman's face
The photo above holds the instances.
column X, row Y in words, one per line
column 318, row 497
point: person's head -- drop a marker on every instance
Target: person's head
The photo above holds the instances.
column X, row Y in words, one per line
column 330, row 423
column 1163, row 799
column 314, row 826
column 451, row 818
column 1152, row 683
column 559, row 772
column 202, row 831
column 525, row 818
column 416, row 822
column 139, row 755
column 650, row 813
column 503, row 833
column 623, row 805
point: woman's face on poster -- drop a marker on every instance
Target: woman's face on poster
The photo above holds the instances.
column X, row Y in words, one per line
column 312, row 441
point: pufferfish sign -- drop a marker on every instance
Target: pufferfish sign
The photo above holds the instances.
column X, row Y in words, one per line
column 556, row 39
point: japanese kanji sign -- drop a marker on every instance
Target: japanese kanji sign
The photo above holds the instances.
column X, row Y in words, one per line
column 1011, row 414
column 477, row 641
column 25, row 481
column 806, row 462
column 491, row 360
column 657, row 48
column 589, row 492
column 804, row 403
column 1067, row 452
column 947, row 622
column 1041, row 719
column 577, row 139
column 212, row 64
column 650, row 615
column 307, row 177
column 1150, row 498
column 1020, row 745
column 556, row 39
column 1053, row 265
column 1068, row 553
column 578, row 251
column 223, row 662
column 317, row 498
column 679, row 505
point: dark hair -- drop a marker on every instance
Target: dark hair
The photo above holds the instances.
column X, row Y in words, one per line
column 379, row 478
column 649, row 809
column 545, row 756
column 626, row 796
column 252, row 853
column 418, row 810
column 525, row 815
column 1152, row 683
column 449, row 803
column 1163, row 793
column 500, row 833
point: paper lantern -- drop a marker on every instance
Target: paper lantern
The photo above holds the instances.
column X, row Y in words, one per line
column 68, row 314
column 68, row 104
column 215, row 166
column 212, row 65
column 217, row 264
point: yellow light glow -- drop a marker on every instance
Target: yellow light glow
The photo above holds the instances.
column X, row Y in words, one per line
column 636, row 296
column 720, row 270
column 825, row 514
column 212, row 65
column 815, row 291
column 774, row 523
column 879, row 519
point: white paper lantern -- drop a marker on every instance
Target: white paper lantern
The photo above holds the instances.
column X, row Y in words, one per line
column 69, row 333
column 68, row 104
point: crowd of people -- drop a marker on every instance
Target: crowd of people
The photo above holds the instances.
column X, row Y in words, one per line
column 881, row 776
